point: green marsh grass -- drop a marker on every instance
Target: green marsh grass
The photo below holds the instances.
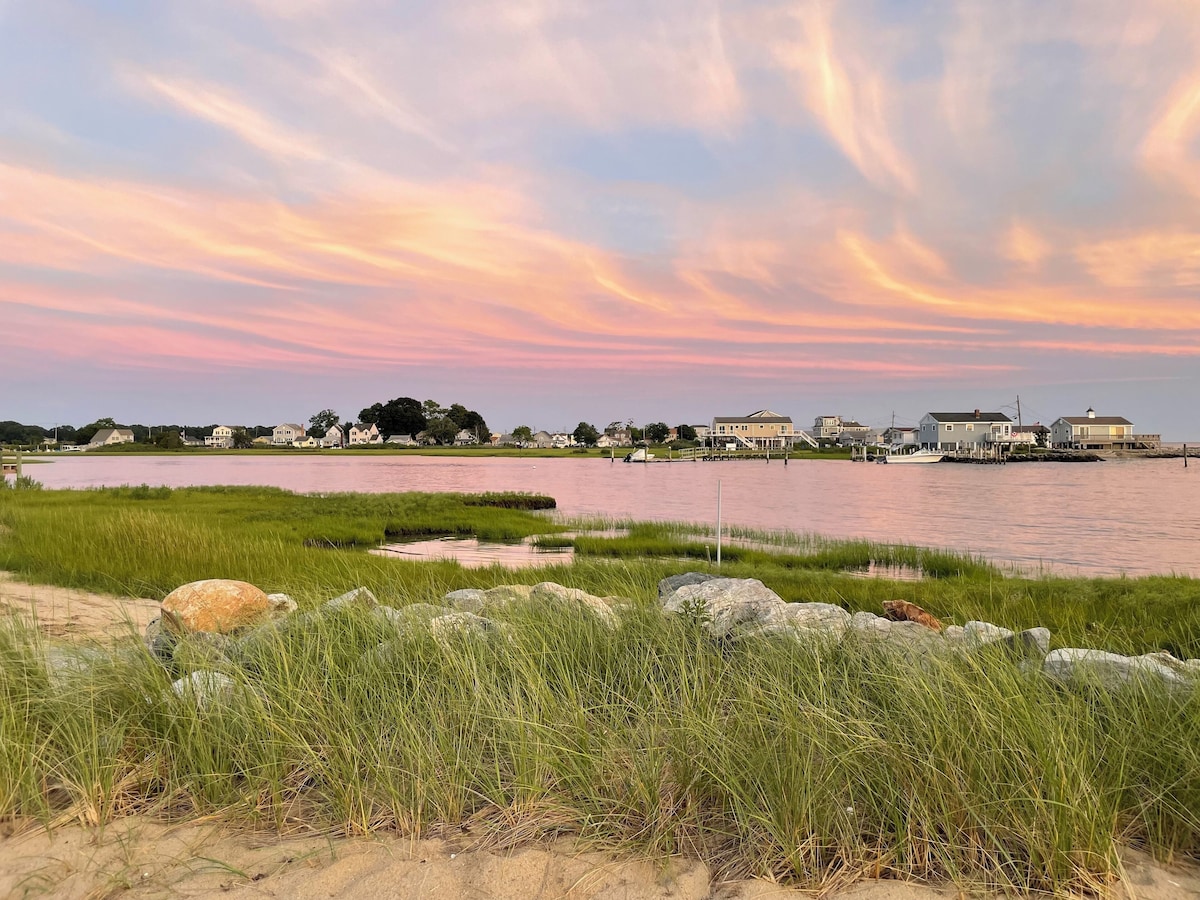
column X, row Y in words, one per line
column 807, row 763
column 800, row 762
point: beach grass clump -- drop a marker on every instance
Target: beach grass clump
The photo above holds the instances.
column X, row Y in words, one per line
column 806, row 762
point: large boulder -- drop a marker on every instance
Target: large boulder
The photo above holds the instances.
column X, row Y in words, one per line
column 725, row 605
column 1072, row 665
column 550, row 592
column 215, row 604
column 672, row 583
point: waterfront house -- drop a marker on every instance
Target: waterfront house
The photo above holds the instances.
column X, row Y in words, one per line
column 506, row 440
column 221, row 437
column 1093, row 432
column 106, row 437
column 964, row 430
column 465, row 438
column 334, row 437
column 361, row 435
column 542, row 439
column 401, row 440
column 897, row 436
column 853, row 433
column 283, row 435
column 761, row 430
column 307, row 443
column 1036, row 435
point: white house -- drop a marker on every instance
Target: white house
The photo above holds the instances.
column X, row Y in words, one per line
column 334, row 437
column 365, row 434
column 222, row 437
column 542, row 439
column 283, row 435
column 465, row 438
column 401, row 440
column 107, row 436
column 898, row 436
column 963, row 430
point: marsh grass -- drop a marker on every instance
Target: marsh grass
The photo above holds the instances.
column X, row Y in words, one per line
column 807, row 763
column 801, row 762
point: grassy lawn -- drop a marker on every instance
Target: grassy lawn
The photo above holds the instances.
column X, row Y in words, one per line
column 809, row 763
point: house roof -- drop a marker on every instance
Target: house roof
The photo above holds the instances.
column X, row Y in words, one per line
column 969, row 417
column 1095, row 420
column 291, row 425
column 763, row 415
column 850, row 423
column 105, row 433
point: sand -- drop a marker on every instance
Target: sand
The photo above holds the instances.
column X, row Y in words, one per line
column 138, row 857
column 71, row 613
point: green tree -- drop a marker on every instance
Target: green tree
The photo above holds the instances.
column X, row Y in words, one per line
column 168, row 440
column 87, row 432
column 241, row 439
column 585, row 434
column 469, row 420
column 442, row 430
column 686, row 432
column 324, row 420
column 657, row 432
column 403, row 415
column 523, row 433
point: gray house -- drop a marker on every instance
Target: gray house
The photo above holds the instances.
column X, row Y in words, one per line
column 963, row 430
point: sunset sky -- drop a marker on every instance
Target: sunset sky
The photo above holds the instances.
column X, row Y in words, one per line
column 244, row 212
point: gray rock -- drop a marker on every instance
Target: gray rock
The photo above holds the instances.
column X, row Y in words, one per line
column 813, row 618
column 1030, row 643
column 1071, row 665
column 976, row 634
column 159, row 641
column 725, row 605
column 458, row 625
column 954, row 635
column 672, row 583
column 204, row 650
column 469, row 599
column 404, row 617
column 281, row 605
column 910, row 640
column 63, row 664
column 203, row 688
column 359, row 598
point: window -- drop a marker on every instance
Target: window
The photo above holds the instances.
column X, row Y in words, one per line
column 970, row 428
column 949, row 427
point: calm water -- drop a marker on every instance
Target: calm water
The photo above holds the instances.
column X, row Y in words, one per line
column 1133, row 516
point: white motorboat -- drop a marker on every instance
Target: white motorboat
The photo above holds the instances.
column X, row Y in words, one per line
column 639, row 455
column 913, row 458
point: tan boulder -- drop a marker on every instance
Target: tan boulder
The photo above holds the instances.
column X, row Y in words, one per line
column 215, row 604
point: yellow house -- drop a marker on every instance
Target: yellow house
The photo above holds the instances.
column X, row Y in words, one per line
column 762, row 430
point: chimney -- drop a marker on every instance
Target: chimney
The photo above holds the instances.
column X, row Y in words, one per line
column 1091, row 413
column 977, row 414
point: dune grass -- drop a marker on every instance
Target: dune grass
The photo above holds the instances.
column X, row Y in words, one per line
column 808, row 763
column 803, row 763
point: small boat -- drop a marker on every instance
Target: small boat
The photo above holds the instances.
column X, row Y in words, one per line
column 639, row 455
column 917, row 456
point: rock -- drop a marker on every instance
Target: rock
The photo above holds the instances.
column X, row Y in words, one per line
column 281, row 605
column 215, row 604
column 359, row 598
column 258, row 640
column 910, row 639
column 903, row 611
column 159, row 641
column 204, row 688
column 1188, row 668
column 447, row 628
column 548, row 591
column 66, row 663
column 725, row 605
column 469, row 599
column 1073, row 665
column 672, row 583
column 1030, row 643
column 404, row 617
column 954, row 634
column 203, row 650
column 976, row 634
column 823, row 619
